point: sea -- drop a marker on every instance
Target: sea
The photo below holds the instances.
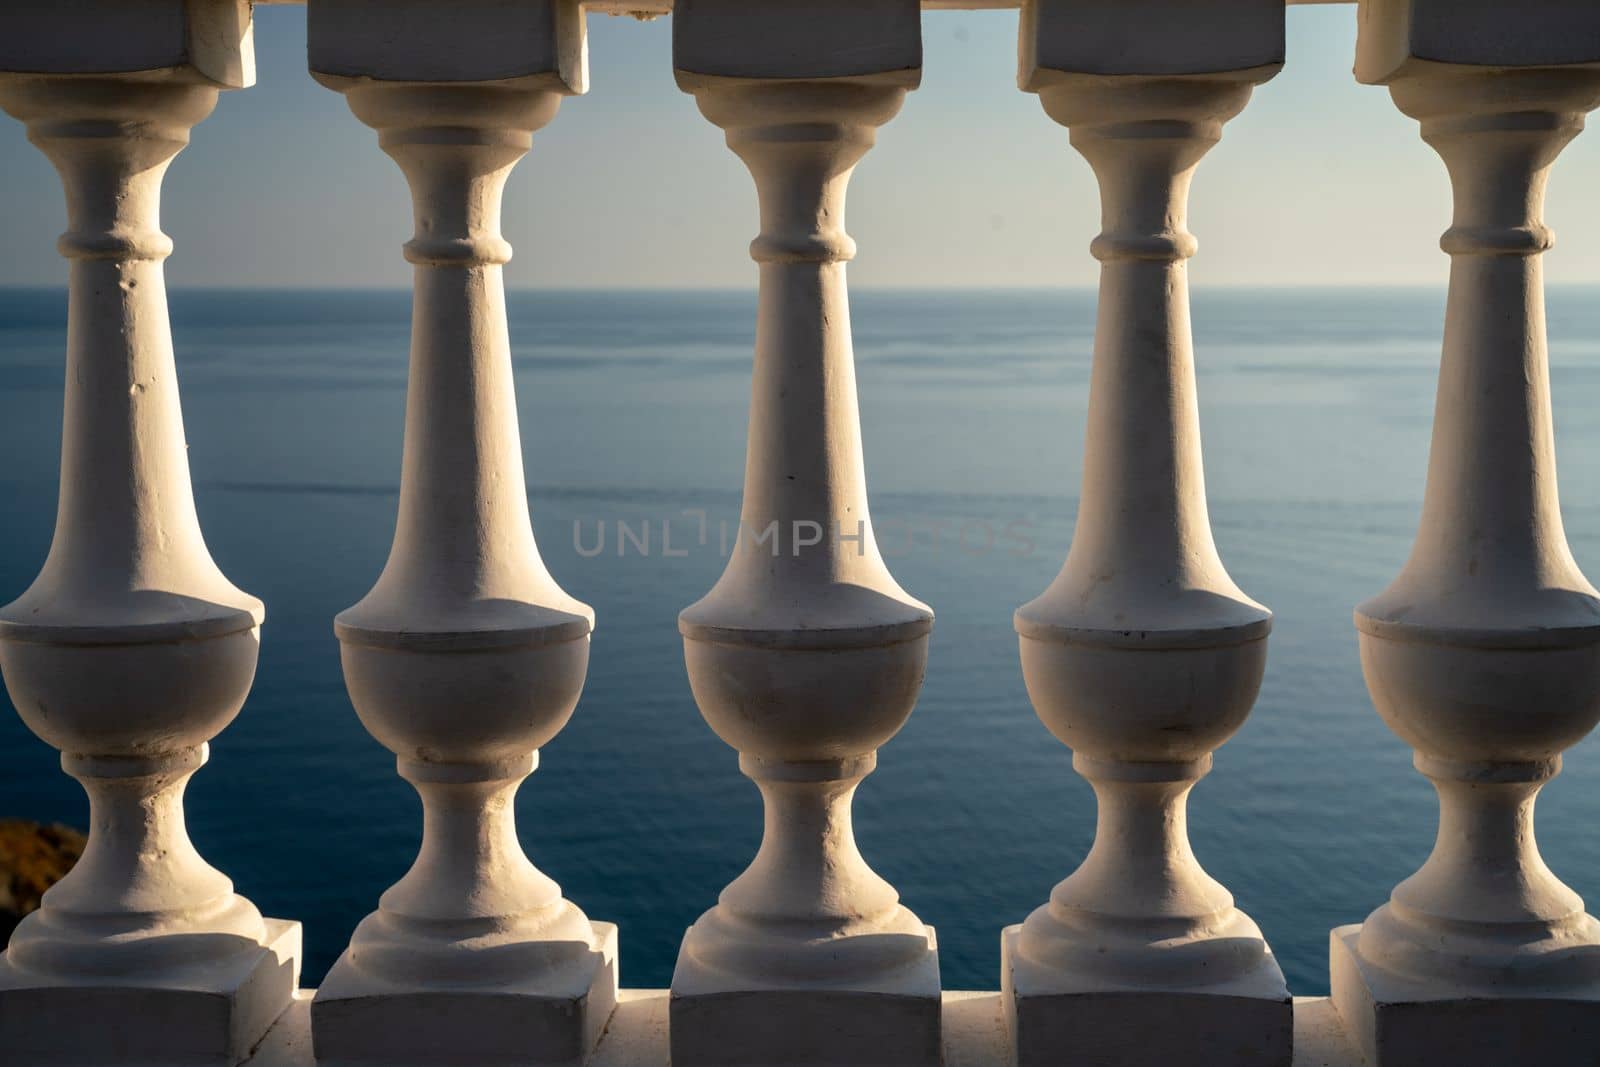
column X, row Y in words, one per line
column 1315, row 408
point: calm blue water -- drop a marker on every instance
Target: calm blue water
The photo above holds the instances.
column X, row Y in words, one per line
column 1316, row 409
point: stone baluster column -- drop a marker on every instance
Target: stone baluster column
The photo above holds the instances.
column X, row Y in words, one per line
column 466, row 657
column 1143, row 656
column 131, row 650
column 806, row 655
column 1484, row 653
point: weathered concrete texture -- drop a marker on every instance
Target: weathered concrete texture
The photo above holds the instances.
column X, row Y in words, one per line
column 806, row 656
column 974, row 1035
column 210, row 1013
column 536, row 1021
column 209, row 38
column 466, row 657
column 1244, row 1021
column 1483, row 654
column 131, row 650
column 1143, row 655
column 798, row 1027
column 1405, row 1022
column 453, row 42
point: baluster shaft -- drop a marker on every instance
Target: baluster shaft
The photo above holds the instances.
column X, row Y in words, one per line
column 131, row 650
column 466, row 657
column 806, row 655
column 1484, row 653
column 1143, row 656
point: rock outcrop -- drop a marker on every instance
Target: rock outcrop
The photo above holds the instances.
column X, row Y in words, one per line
column 33, row 857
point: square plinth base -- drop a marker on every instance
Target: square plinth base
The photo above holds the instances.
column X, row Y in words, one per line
column 356, row 1019
column 1055, row 1019
column 205, row 1016
column 1399, row 1022
column 715, row 1021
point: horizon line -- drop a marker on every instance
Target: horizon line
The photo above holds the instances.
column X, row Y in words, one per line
column 752, row 290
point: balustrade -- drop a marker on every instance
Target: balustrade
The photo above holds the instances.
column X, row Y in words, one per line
column 131, row 650
column 466, row 657
column 1484, row 653
column 806, row 655
column 1143, row 655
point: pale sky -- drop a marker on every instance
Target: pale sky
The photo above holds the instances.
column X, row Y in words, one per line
column 1319, row 181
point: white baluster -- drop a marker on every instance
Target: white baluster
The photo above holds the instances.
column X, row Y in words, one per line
column 1143, row 656
column 806, row 656
column 1484, row 653
column 131, row 650
column 466, row 657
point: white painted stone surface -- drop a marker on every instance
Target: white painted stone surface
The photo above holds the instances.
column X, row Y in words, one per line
column 1484, row 654
column 651, row 9
column 130, row 650
column 459, row 41
column 806, row 655
column 466, row 657
column 208, row 39
column 974, row 1034
column 1143, row 656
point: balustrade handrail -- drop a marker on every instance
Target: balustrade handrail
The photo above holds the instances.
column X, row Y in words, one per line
column 653, row 8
